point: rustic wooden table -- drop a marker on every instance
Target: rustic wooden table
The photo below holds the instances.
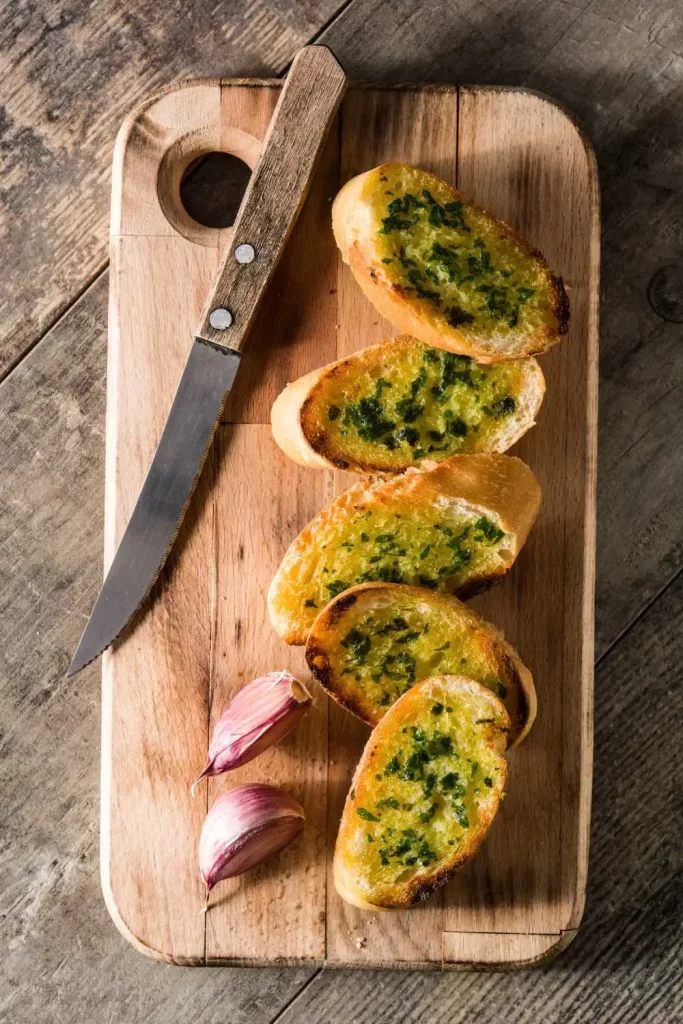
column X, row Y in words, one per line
column 71, row 70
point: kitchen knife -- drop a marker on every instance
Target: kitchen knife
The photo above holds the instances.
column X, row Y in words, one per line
column 307, row 105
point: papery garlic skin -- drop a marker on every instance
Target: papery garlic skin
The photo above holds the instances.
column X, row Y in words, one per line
column 245, row 826
column 259, row 715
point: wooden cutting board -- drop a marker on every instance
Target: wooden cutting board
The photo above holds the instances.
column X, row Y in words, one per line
column 207, row 630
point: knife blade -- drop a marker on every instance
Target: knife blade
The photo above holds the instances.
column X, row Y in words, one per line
column 305, row 110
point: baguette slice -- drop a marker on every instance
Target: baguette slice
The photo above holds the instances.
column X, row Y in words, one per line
column 391, row 405
column 373, row 642
column 424, row 794
column 454, row 526
column 444, row 270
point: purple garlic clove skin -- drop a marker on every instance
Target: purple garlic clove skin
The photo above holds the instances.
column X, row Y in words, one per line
column 259, row 715
column 245, row 826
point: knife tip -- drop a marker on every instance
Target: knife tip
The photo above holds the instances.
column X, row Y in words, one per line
column 80, row 661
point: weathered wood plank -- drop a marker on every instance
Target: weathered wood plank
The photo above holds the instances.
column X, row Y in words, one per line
column 631, row 930
column 372, row 131
column 639, row 143
column 616, row 73
column 62, row 957
column 70, row 74
column 628, row 89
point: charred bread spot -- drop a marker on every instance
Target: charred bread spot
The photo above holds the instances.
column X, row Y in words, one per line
column 338, row 607
column 424, row 888
column 319, row 664
column 561, row 306
column 515, row 680
column 478, row 586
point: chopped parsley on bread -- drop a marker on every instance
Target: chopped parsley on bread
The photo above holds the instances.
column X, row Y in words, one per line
column 374, row 641
column 424, row 794
column 443, row 270
column 455, row 527
column 395, row 404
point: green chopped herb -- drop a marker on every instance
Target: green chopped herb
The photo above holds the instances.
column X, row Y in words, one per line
column 333, row 412
column 456, row 316
column 336, row 587
column 388, row 801
column 484, row 529
column 366, row 815
column 408, row 434
column 358, row 644
column 461, row 815
column 427, row 815
column 429, row 784
column 457, row 427
column 501, row 408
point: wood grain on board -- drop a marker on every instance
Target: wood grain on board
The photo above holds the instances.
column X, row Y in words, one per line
column 619, row 68
column 616, row 66
column 374, row 131
column 71, row 71
column 534, row 170
column 207, row 632
column 275, row 194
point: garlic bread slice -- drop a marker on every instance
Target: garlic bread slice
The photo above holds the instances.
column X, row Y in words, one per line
column 373, row 642
column 455, row 526
column 444, row 270
column 423, row 795
column 392, row 405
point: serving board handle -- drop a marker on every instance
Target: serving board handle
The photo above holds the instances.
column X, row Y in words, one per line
column 277, row 190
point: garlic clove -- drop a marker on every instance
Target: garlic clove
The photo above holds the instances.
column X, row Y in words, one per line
column 259, row 715
column 244, row 827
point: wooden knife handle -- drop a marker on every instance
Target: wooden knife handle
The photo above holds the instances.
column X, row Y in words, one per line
column 307, row 105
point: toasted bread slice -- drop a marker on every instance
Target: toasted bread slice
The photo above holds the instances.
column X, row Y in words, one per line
column 442, row 269
column 393, row 404
column 423, row 795
column 373, row 642
column 454, row 526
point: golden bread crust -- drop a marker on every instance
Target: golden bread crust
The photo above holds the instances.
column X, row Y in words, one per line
column 302, row 437
column 499, row 484
column 352, row 225
column 332, row 624
column 348, row 873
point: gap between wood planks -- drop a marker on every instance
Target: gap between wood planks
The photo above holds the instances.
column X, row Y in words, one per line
column 73, row 300
column 96, row 277
column 297, row 995
column 636, row 618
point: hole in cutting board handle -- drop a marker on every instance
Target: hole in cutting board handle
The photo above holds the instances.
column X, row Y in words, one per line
column 212, row 188
column 200, row 186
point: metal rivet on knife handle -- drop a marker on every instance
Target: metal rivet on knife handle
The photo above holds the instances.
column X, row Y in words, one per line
column 277, row 189
column 245, row 253
column 305, row 110
column 220, row 319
